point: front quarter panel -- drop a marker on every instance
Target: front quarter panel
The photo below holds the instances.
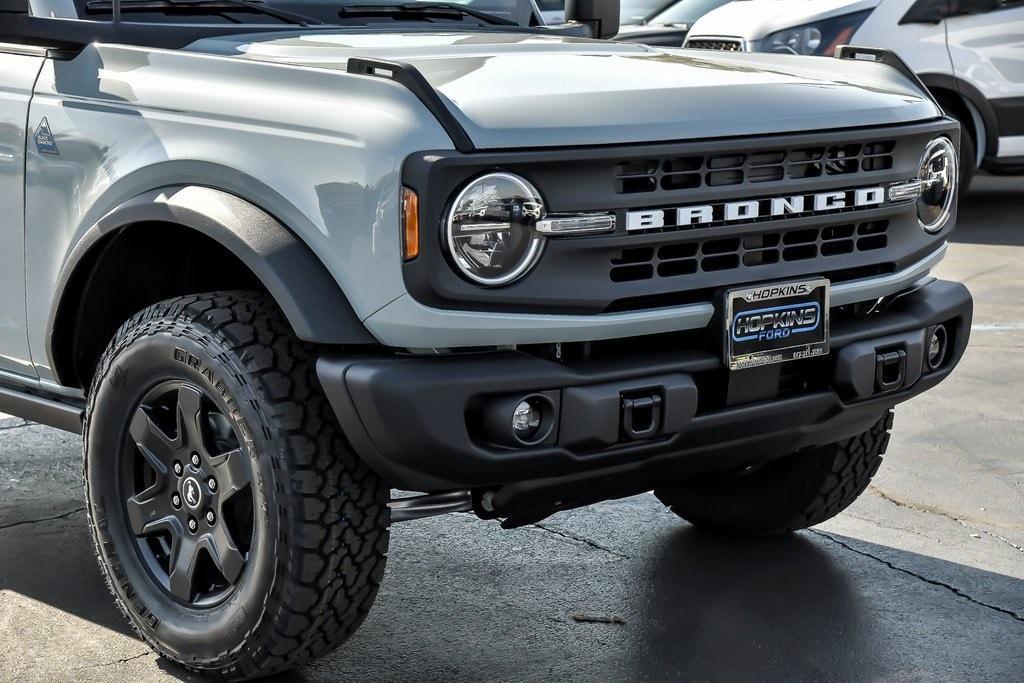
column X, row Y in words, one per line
column 319, row 150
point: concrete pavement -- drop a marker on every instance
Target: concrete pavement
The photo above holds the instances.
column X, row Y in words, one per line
column 922, row 578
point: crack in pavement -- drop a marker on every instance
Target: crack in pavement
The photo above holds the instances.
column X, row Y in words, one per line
column 25, row 522
column 935, row 511
column 120, row 661
column 934, row 582
column 580, row 539
column 17, row 426
column 892, row 527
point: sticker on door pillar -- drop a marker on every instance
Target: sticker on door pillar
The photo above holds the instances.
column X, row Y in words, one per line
column 44, row 139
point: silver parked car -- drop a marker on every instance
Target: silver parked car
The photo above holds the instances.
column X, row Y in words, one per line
column 274, row 259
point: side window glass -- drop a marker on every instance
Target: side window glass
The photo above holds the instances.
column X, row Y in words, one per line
column 54, row 9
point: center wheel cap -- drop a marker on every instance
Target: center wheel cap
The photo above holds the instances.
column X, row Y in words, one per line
column 192, row 493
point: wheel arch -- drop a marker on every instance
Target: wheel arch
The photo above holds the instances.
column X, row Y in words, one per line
column 969, row 97
column 252, row 249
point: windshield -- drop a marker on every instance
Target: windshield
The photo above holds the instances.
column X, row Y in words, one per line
column 631, row 11
column 685, row 11
column 285, row 12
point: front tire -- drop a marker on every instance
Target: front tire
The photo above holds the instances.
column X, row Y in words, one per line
column 236, row 528
column 788, row 494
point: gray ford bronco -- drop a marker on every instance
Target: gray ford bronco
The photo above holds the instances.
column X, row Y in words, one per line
column 274, row 259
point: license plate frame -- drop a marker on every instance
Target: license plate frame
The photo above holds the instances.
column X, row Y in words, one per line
column 772, row 323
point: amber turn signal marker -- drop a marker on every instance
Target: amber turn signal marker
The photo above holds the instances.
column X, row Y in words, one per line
column 410, row 224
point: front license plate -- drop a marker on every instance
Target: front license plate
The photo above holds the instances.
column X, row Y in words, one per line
column 775, row 323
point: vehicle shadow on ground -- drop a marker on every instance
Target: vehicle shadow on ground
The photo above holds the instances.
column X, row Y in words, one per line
column 817, row 606
column 696, row 607
column 994, row 206
column 54, row 563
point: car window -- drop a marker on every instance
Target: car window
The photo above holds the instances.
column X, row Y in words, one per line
column 630, row 12
column 934, row 11
column 326, row 11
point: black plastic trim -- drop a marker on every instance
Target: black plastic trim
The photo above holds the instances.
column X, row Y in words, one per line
column 410, row 77
column 890, row 59
column 38, row 406
column 309, row 296
column 1009, row 113
column 410, row 418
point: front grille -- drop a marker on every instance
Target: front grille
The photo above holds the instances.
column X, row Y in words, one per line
column 686, row 259
column 726, row 44
column 640, row 176
column 748, row 251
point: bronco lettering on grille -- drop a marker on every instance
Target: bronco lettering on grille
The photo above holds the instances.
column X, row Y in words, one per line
column 755, row 209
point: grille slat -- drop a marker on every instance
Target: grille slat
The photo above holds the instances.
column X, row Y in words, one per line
column 750, row 251
column 691, row 172
column 725, row 44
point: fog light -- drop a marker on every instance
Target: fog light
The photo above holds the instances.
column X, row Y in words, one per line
column 523, row 420
column 526, row 420
column 937, row 342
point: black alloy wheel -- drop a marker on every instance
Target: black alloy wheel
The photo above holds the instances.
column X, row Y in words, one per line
column 187, row 494
column 236, row 528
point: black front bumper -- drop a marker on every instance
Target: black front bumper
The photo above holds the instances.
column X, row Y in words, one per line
column 423, row 422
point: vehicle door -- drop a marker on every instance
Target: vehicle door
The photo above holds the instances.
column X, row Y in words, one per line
column 19, row 67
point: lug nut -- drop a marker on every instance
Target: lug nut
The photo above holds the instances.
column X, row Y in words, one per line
column 192, row 524
column 178, row 468
column 210, row 517
column 176, row 500
column 212, row 483
column 195, row 459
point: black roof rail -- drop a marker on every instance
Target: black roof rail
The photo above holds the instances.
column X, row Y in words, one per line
column 887, row 57
column 410, row 77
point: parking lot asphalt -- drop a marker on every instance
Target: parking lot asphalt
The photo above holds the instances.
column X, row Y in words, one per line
column 922, row 578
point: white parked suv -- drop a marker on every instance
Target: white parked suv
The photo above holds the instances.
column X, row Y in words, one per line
column 970, row 54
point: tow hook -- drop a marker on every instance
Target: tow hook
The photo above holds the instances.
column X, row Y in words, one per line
column 641, row 416
column 890, row 370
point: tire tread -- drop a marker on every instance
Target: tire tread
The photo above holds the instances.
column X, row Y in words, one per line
column 334, row 515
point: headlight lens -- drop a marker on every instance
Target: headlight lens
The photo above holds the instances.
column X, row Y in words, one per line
column 820, row 38
column 938, row 176
column 491, row 231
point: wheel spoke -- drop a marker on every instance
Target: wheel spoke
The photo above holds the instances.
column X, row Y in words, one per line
column 148, row 509
column 183, row 567
column 156, row 447
column 231, row 471
column 190, row 417
column 226, row 554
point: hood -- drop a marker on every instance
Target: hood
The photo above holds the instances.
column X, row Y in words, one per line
column 669, row 35
column 515, row 90
column 752, row 20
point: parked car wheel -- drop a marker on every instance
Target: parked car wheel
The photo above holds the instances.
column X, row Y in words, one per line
column 236, row 528
column 791, row 493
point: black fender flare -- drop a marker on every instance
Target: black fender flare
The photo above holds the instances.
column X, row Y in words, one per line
column 971, row 94
column 310, row 298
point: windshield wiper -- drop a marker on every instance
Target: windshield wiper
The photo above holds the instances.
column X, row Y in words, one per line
column 202, row 7
column 420, row 10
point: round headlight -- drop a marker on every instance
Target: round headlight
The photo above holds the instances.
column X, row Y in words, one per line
column 938, row 184
column 491, row 231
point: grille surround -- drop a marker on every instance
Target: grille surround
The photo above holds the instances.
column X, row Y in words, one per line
column 572, row 277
